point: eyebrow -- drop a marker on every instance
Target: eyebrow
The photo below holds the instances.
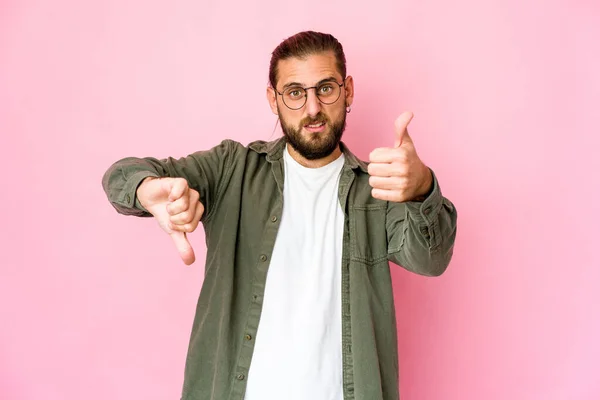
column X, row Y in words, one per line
column 291, row 84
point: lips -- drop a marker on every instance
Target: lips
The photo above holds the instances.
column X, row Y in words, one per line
column 315, row 127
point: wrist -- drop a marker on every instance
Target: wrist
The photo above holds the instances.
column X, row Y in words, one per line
column 140, row 192
column 426, row 186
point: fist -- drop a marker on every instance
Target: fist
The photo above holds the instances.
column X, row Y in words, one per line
column 397, row 173
column 176, row 207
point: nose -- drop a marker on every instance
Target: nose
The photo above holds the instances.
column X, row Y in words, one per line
column 313, row 104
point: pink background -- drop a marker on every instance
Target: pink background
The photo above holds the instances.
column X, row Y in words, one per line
column 95, row 306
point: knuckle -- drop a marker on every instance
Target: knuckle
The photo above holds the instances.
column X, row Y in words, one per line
column 173, row 209
column 403, row 183
column 399, row 170
column 176, row 222
column 378, row 194
column 189, row 228
column 370, row 169
column 185, row 202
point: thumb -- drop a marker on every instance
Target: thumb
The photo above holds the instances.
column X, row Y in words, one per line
column 401, row 125
column 183, row 247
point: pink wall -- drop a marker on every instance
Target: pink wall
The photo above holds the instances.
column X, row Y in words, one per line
column 506, row 94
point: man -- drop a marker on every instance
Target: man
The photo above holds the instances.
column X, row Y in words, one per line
column 297, row 300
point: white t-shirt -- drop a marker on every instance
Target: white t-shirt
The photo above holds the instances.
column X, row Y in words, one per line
column 298, row 349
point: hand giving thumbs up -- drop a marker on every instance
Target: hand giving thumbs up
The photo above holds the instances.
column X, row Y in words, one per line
column 397, row 173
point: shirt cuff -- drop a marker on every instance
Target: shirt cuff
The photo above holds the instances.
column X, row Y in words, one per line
column 128, row 199
column 425, row 213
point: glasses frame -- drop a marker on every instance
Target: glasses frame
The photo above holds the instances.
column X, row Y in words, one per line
column 316, row 94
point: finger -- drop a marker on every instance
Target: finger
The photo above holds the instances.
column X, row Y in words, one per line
column 388, row 155
column 184, row 203
column 199, row 213
column 183, row 247
column 388, row 183
column 191, row 225
column 387, row 169
column 189, row 216
column 401, row 125
column 179, row 188
column 183, row 218
column 183, row 228
column 388, row 195
column 179, row 206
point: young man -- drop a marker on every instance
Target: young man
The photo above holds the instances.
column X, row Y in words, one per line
column 297, row 300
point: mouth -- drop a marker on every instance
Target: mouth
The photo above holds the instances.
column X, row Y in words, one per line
column 315, row 127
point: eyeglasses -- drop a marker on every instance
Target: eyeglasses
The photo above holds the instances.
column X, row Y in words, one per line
column 294, row 97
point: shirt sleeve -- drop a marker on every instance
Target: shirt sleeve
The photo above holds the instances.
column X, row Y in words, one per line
column 421, row 234
column 205, row 171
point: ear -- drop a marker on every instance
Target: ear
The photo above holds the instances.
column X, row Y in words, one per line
column 272, row 99
column 349, row 86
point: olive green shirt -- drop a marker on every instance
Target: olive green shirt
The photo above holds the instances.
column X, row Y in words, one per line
column 241, row 188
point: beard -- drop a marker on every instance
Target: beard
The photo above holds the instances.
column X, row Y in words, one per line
column 316, row 145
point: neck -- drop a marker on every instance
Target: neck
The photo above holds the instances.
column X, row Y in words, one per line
column 321, row 162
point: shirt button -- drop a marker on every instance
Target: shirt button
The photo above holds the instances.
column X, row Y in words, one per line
column 427, row 211
column 127, row 198
column 248, row 337
column 263, row 258
column 274, row 218
column 240, row 377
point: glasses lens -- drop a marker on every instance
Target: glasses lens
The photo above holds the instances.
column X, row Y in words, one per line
column 294, row 97
column 329, row 92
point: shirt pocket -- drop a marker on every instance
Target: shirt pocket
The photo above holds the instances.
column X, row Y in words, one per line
column 368, row 236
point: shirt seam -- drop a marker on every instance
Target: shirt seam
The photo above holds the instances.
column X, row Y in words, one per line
column 221, row 187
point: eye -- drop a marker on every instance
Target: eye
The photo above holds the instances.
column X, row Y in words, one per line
column 294, row 93
column 326, row 89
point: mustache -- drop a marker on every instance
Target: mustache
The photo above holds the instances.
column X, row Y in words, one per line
column 314, row 120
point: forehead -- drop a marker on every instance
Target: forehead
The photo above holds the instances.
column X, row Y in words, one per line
column 309, row 70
